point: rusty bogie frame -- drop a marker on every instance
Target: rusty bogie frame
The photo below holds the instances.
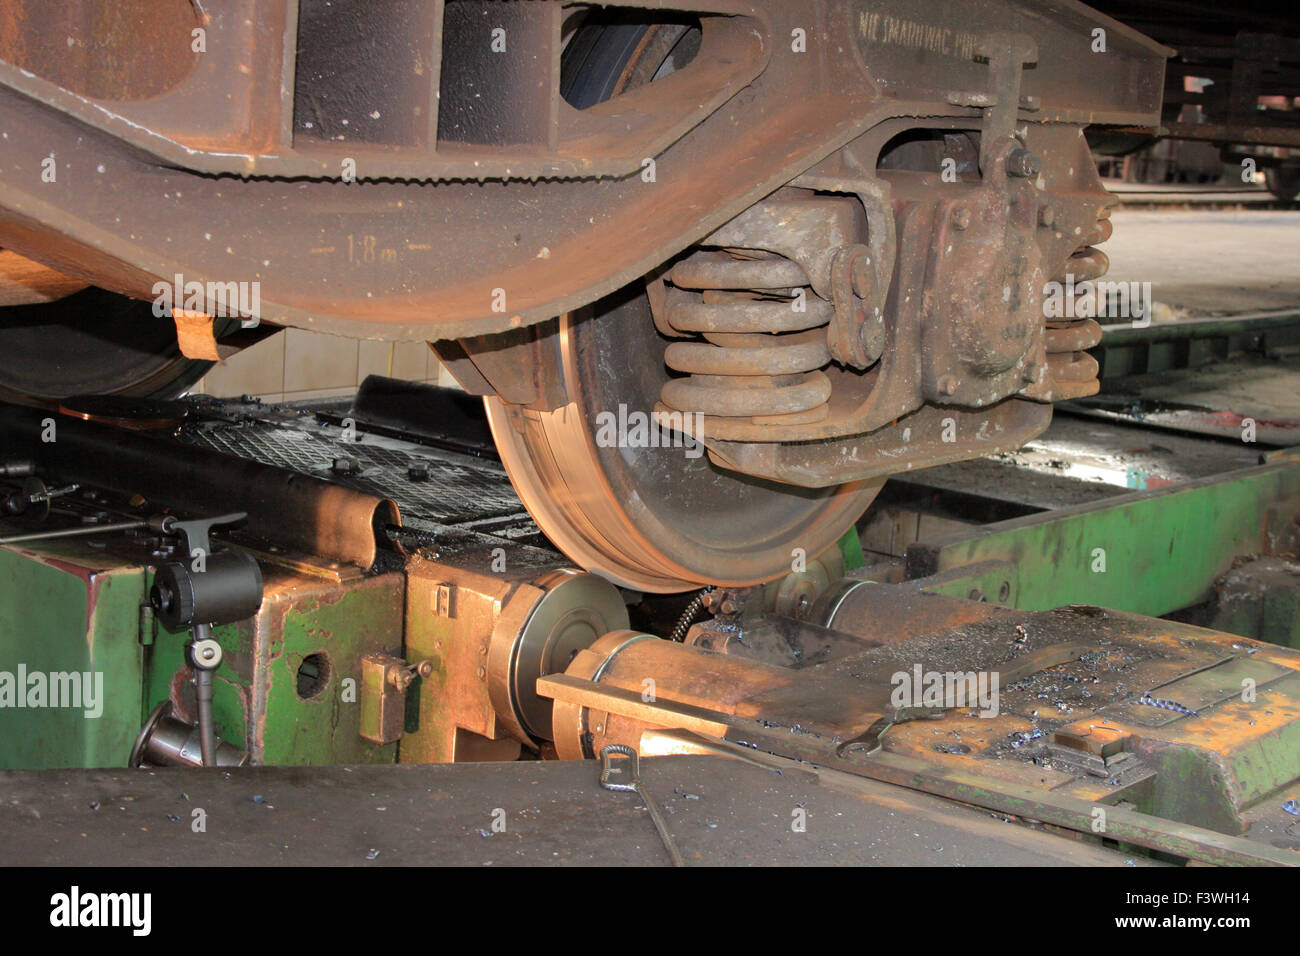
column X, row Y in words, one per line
column 411, row 170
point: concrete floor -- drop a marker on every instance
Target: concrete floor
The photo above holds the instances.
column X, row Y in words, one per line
column 720, row 812
column 1202, row 262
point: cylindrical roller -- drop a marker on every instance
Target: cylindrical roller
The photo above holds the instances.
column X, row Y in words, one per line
column 540, row 631
column 295, row 511
column 165, row 741
column 644, row 682
column 880, row 612
column 627, row 660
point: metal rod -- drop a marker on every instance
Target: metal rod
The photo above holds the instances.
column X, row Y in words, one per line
column 77, row 532
column 203, row 698
column 207, row 735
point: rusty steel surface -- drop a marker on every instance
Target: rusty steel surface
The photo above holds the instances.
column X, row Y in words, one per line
column 23, row 282
column 521, row 193
column 883, row 311
column 1094, row 709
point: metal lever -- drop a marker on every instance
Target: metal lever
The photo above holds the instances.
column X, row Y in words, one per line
column 1007, row 53
column 608, row 769
column 197, row 530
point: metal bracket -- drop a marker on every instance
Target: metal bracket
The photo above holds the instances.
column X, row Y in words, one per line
column 196, row 532
column 1006, row 53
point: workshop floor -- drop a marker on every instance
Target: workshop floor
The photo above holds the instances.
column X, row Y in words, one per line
column 1204, row 261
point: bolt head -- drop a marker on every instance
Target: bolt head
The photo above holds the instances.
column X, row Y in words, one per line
column 960, row 217
column 1023, row 163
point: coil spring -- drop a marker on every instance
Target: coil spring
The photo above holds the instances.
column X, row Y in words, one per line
column 689, row 614
column 1073, row 371
column 764, row 338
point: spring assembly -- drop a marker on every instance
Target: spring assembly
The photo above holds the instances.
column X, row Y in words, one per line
column 764, row 338
column 1073, row 371
column 689, row 614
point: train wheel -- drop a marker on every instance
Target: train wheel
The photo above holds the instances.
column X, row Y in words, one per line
column 651, row 518
column 92, row 342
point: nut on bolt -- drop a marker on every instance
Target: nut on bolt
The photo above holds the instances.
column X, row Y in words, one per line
column 207, row 654
column 960, row 216
column 1021, row 162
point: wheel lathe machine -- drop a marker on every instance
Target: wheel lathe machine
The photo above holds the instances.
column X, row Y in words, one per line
column 810, row 243
column 373, row 594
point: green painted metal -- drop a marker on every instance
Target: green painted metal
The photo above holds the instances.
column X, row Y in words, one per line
column 311, row 629
column 1272, row 760
column 67, row 610
column 366, row 616
column 851, row 549
column 1261, row 599
column 1149, row 552
column 1163, row 346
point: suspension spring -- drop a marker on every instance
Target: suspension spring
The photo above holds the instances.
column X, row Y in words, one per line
column 1072, row 370
column 764, row 338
